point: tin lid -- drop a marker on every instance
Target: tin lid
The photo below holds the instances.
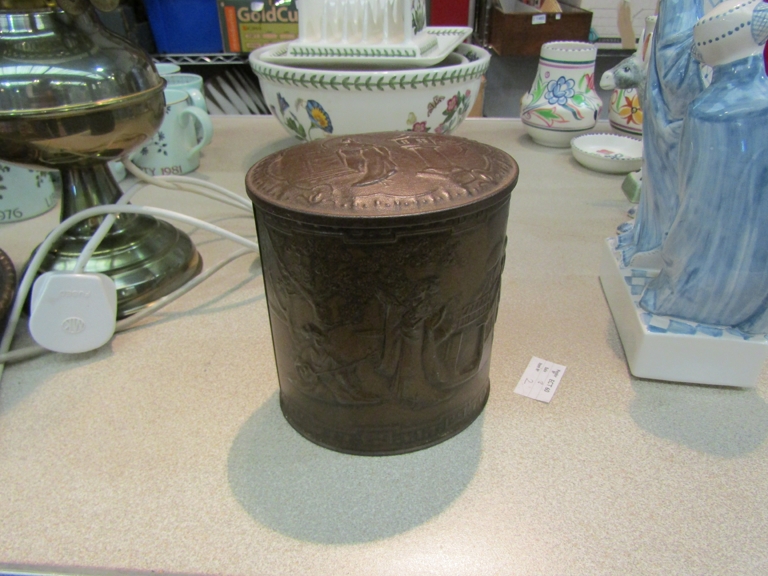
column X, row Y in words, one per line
column 381, row 175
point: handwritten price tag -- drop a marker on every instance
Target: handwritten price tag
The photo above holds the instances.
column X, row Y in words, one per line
column 540, row 380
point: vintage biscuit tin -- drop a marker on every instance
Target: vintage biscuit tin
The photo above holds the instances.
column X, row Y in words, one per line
column 382, row 257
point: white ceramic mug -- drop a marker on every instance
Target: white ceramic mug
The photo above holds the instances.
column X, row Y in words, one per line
column 192, row 84
column 175, row 148
column 167, row 68
column 26, row 192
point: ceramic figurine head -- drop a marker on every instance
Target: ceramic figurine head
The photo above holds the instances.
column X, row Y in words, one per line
column 733, row 30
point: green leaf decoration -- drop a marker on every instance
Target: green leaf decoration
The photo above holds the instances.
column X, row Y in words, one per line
column 548, row 114
column 539, row 89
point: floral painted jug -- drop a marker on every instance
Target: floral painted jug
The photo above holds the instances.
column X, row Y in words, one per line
column 562, row 103
column 625, row 111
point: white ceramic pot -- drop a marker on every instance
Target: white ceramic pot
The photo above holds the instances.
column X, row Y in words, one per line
column 315, row 103
column 562, row 103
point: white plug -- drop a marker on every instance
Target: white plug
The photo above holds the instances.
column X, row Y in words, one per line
column 73, row 312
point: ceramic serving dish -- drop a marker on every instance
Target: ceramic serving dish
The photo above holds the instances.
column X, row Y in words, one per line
column 445, row 40
column 610, row 153
column 313, row 103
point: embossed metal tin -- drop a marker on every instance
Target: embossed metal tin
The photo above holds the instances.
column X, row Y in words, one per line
column 382, row 257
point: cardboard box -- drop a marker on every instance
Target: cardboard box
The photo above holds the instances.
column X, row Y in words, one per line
column 523, row 30
column 244, row 28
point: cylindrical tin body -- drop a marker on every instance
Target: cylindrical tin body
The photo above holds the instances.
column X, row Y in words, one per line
column 382, row 257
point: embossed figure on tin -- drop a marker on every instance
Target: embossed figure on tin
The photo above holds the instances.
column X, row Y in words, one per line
column 382, row 259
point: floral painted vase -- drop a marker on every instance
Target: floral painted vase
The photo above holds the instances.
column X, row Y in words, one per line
column 625, row 112
column 562, row 103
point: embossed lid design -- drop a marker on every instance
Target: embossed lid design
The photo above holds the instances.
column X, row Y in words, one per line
column 381, row 175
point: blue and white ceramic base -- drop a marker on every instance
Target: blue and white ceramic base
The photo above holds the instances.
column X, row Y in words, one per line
column 664, row 348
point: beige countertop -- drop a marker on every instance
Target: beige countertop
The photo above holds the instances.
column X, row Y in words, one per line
column 166, row 451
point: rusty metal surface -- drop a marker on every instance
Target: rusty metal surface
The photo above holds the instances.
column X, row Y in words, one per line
column 382, row 334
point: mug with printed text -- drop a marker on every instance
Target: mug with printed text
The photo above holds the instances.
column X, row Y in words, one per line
column 175, row 148
column 26, row 192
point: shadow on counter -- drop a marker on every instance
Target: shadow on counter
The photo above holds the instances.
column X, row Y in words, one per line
column 725, row 422
column 314, row 494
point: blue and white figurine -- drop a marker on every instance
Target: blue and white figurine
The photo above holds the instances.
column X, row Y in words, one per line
column 715, row 257
column 674, row 80
column 702, row 315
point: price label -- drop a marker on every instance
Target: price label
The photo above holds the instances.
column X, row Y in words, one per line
column 539, row 19
column 540, row 380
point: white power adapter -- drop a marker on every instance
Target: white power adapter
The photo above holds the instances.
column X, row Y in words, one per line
column 73, row 312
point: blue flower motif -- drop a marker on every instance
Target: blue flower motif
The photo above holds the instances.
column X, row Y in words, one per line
column 558, row 91
column 319, row 117
column 282, row 102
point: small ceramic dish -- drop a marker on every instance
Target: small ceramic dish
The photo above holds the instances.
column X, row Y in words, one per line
column 610, row 153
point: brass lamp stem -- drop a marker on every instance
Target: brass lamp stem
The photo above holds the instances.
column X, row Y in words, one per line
column 85, row 188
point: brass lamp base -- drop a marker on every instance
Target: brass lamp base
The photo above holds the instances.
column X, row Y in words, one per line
column 74, row 96
column 145, row 257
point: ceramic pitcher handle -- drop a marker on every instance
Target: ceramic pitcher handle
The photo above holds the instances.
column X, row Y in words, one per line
column 197, row 98
column 206, row 127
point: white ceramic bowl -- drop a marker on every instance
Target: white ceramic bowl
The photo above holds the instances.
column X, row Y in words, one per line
column 609, row 153
column 313, row 103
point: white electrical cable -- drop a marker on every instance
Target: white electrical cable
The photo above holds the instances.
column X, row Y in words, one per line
column 29, row 352
column 174, row 182
column 110, row 211
column 126, row 323
column 237, row 200
column 177, row 182
column 101, row 232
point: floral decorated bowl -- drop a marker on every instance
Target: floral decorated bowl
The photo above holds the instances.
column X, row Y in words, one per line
column 609, row 153
column 314, row 103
